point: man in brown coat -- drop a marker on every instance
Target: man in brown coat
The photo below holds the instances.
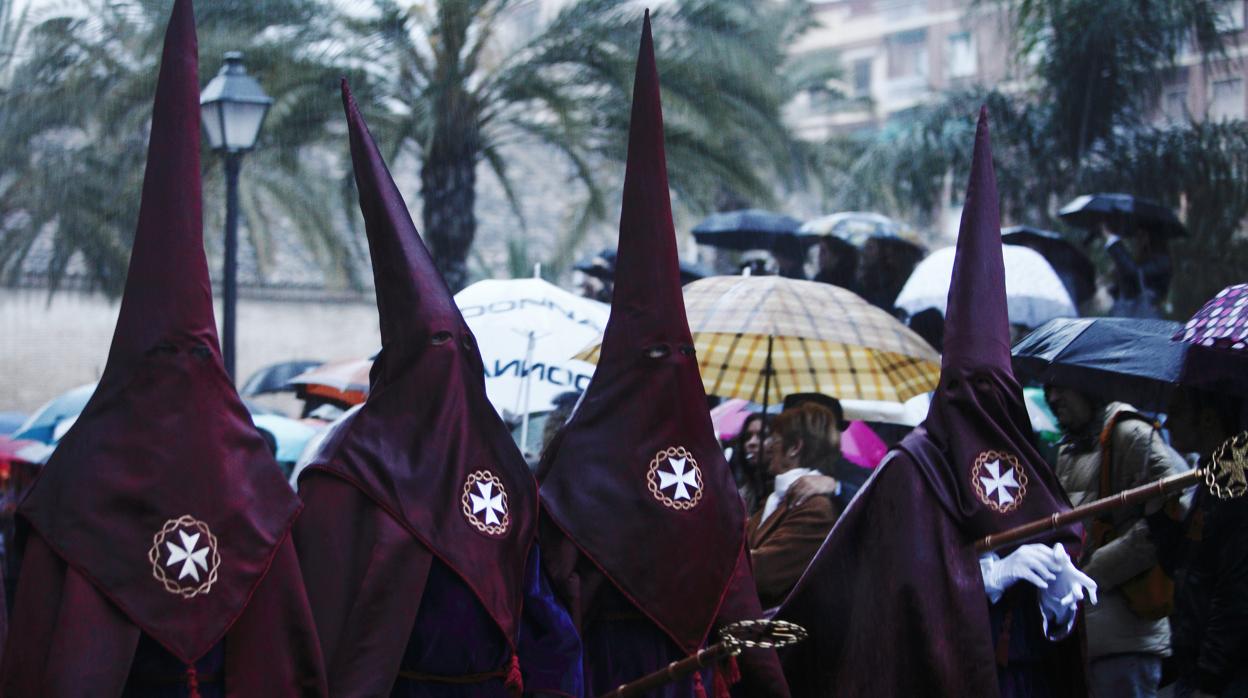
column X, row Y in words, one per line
column 783, row 537
column 1109, row 448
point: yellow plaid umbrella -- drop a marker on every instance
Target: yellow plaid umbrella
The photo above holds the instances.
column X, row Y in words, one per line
column 816, row 337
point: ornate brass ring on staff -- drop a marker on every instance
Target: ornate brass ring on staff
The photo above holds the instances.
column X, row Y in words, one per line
column 1226, row 476
column 761, row 634
column 733, row 639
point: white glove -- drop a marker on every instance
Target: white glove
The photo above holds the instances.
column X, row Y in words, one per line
column 1034, row 563
column 1063, row 595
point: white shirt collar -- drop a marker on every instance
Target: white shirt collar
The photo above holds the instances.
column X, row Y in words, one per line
column 784, row 481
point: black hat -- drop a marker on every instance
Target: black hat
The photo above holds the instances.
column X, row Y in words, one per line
column 826, row 401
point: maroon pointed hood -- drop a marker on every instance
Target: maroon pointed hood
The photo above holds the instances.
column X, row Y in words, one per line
column 639, row 461
column 977, row 328
column 163, row 493
column 976, row 445
column 427, row 446
column 413, row 302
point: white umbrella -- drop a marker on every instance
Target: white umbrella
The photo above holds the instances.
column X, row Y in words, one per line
column 528, row 331
column 1034, row 292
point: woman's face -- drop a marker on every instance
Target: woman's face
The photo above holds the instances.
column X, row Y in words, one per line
column 778, row 460
column 753, row 445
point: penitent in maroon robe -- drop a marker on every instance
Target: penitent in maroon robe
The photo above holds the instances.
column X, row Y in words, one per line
column 643, row 532
column 157, row 551
column 417, row 541
column 894, row 601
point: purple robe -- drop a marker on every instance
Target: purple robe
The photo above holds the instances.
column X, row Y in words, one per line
column 162, row 514
column 894, row 600
column 418, row 537
column 393, row 619
column 642, row 528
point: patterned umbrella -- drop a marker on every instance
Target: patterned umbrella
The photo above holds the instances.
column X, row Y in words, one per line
column 816, row 338
column 1222, row 323
column 1218, row 333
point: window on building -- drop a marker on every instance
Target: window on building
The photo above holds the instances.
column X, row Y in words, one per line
column 821, row 99
column 907, row 54
column 1228, row 99
column 960, row 56
column 862, row 77
column 1174, row 105
column 1231, row 16
column 897, row 10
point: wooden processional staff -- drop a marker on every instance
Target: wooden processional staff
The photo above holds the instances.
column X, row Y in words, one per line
column 1226, row 476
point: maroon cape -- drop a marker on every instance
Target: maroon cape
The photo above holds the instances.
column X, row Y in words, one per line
column 422, row 479
column 894, row 600
column 635, row 487
column 162, row 511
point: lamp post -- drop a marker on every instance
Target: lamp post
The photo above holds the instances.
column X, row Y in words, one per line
column 232, row 110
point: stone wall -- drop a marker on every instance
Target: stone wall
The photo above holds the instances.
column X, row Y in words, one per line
column 48, row 346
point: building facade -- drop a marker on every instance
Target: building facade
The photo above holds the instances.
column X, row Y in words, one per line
column 897, row 54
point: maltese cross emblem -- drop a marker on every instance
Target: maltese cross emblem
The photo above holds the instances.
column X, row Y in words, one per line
column 999, row 481
column 184, row 557
column 675, row 479
column 485, row 503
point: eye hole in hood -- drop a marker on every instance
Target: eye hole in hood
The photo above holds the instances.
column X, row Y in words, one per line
column 440, row 338
column 658, row 351
column 162, row 348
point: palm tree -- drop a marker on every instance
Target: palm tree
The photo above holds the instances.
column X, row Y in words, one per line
column 1100, row 60
column 11, row 27
column 73, row 132
column 1082, row 125
column 461, row 94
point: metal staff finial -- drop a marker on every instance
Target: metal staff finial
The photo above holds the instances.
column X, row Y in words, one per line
column 1227, row 476
column 733, row 639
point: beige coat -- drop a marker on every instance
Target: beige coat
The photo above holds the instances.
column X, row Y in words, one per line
column 1140, row 456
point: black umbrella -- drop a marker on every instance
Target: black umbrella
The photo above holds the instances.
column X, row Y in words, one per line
column 1076, row 271
column 275, row 377
column 602, row 266
column 855, row 228
column 1091, row 209
column 1116, row 358
column 599, row 266
column 749, row 229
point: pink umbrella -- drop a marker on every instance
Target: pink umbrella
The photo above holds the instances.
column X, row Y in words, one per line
column 862, row 446
column 729, row 416
column 859, row 444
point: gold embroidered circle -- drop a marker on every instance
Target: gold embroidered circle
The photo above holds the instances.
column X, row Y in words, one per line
column 485, row 503
column 999, row 481
column 191, row 557
column 676, row 469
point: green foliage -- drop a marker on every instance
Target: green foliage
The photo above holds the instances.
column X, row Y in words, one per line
column 74, row 124
column 463, row 92
column 1200, row 169
column 449, row 85
column 1100, row 59
column 1081, row 127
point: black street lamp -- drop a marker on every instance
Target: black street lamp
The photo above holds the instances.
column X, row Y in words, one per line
column 232, row 109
